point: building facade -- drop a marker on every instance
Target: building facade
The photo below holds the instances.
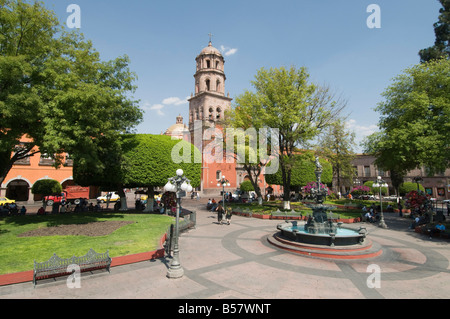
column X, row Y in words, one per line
column 437, row 186
column 24, row 173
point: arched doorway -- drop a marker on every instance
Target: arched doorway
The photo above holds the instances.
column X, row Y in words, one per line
column 18, row 190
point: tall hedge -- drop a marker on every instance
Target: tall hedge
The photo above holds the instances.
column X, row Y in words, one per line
column 140, row 160
column 148, row 161
column 303, row 171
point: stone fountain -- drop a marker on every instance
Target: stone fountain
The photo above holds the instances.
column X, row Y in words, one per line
column 319, row 229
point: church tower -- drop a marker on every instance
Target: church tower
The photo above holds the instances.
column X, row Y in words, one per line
column 207, row 107
column 209, row 102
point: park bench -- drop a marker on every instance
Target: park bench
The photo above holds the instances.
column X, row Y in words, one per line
column 58, row 267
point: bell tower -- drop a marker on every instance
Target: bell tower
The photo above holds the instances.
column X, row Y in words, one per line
column 209, row 102
column 207, row 107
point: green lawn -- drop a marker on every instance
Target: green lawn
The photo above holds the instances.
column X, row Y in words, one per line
column 18, row 253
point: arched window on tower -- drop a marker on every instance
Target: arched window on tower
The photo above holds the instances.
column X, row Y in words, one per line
column 211, row 113
column 208, row 85
column 218, row 86
column 217, row 64
column 218, row 113
column 208, row 64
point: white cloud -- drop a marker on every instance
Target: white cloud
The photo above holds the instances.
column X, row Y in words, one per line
column 228, row 51
column 361, row 131
column 158, row 108
column 174, row 101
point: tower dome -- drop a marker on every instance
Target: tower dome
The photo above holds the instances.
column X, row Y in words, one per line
column 210, row 50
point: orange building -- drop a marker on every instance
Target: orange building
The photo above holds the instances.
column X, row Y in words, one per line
column 24, row 173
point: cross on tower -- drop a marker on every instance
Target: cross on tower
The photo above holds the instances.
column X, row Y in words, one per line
column 210, row 37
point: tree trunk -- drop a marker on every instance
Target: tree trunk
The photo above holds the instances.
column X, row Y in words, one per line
column 150, row 200
column 123, row 199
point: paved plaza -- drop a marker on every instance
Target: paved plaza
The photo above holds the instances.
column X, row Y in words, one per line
column 237, row 262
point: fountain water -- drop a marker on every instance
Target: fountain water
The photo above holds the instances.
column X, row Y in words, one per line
column 319, row 229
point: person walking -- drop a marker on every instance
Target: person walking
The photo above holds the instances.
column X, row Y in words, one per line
column 228, row 215
column 220, row 212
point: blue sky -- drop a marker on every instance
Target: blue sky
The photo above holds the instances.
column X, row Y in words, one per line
column 330, row 38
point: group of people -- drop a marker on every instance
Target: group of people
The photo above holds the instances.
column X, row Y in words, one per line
column 221, row 212
column 371, row 213
column 12, row 209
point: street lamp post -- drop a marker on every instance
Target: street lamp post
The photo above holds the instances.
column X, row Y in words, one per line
column 178, row 185
column 418, row 179
column 223, row 182
column 381, row 183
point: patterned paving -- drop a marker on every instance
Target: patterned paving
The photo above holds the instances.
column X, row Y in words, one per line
column 237, row 261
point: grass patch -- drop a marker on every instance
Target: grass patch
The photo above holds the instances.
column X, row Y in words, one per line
column 18, row 253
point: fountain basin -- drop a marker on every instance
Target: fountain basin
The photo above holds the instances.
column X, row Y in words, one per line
column 342, row 236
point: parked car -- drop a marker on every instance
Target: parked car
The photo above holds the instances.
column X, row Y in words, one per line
column 391, row 197
column 367, row 197
column 4, row 200
column 113, row 198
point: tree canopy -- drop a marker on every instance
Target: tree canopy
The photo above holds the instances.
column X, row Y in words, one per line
column 415, row 120
column 302, row 171
column 56, row 91
column 46, row 187
column 336, row 145
column 293, row 109
column 441, row 47
column 142, row 160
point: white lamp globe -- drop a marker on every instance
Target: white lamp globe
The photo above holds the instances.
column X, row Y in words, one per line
column 189, row 188
column 180, row 172
column 184, row 186
column 168, row 187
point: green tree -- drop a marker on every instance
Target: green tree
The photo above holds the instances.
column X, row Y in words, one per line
column 441, row 47
column 46, row 187
column 294, row 110
column 55, row 90
column 415, row 121
column 336, row 144
column 246, row 186
column 302, row 172
column 407, row 187
column 376, row 190
column 247, row 135
column 142, row 160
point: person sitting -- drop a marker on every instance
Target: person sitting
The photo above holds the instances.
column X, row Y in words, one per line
column 41, row 211
column 213, row 205
column 439, row 228
column 368, row 217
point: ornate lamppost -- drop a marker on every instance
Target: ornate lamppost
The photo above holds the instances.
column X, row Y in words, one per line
column 178, row 185
column 381, row 183
column 223, row 182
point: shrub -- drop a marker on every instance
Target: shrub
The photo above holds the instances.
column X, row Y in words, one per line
column 376, row 190
column 408, row 187
column 246, row 186
column 361, row 190
column 46, row 187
